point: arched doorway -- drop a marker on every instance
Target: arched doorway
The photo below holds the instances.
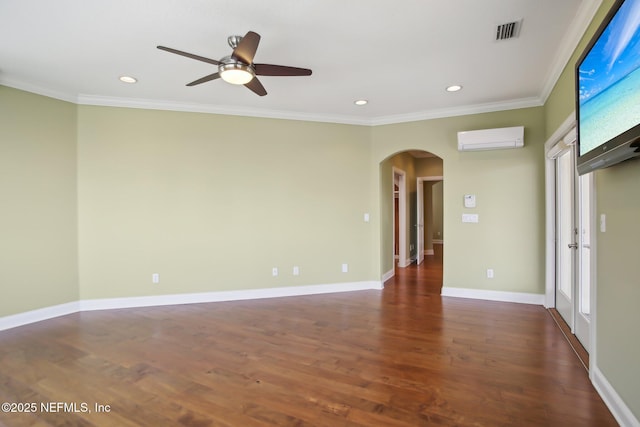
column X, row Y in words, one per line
column 411, row 212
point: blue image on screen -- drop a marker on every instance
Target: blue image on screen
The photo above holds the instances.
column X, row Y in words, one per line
column 609, row 80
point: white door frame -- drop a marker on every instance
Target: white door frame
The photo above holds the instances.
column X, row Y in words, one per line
column 550, row 237
column 403, row 260
column 550, row 211
column 420, row 214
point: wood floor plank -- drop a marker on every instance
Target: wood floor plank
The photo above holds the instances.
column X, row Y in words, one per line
column 404, row 356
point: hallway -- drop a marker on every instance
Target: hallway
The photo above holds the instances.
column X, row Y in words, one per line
column 425, row 278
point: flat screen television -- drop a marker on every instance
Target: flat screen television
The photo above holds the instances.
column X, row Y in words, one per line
column 607, row 78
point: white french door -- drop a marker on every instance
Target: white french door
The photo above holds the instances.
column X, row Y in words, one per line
column 565, row 236
column 573, row 245
column 582, row 305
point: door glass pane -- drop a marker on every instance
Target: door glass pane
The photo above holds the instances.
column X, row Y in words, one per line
column 565, row 229
column 585, row 244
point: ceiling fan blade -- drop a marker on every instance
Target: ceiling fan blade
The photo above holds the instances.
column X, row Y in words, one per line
column 256, row 87
column 190, row 55
column 246, row 49
column 280, row 70
column 205, row 79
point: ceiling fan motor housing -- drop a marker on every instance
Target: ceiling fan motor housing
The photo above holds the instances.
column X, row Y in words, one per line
column 234, row 41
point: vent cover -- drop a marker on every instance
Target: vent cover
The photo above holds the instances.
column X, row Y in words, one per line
column 507, row 31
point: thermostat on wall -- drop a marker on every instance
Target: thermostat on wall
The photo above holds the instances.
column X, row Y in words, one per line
column 469, row 200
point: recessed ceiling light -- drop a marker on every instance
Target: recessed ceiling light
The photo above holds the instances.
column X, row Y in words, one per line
column 361, row 102
column 128, row 79
column 454, row 88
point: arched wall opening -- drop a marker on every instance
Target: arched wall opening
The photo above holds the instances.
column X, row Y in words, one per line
column 411, row 208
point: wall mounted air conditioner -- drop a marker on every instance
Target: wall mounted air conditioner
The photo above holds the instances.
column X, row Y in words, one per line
column 491, row 139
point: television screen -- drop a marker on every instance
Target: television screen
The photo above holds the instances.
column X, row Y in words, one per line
column 608, row 89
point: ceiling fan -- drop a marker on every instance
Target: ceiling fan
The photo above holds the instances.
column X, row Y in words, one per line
column 239, row 68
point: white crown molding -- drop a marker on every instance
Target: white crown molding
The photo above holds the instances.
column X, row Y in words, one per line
column 458, row 111
column 484, row 294
column 148, row 104
column 39, row 90
column 107, row 101
column 569, row 43
column 289, row 115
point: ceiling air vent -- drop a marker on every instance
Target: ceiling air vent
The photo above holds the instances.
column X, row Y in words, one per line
column 508, row 31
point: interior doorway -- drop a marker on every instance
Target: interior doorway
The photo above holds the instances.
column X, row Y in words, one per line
column 400, row 218
column 403, row 174
column 429, row 215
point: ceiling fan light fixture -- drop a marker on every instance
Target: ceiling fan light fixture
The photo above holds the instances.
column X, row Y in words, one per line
column 236, row 73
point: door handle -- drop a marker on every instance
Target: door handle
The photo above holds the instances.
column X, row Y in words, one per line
column 573, row 246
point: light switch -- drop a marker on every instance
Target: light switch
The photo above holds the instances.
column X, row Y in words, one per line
column 603, row 223
column 470, row 218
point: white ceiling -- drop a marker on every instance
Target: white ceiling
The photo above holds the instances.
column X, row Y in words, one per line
column 399, row 55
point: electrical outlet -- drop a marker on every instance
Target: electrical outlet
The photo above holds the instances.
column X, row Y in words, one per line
column 490, row 273
column 155, row 278
column 296, row 270
column 274, row 271
column 345, row 268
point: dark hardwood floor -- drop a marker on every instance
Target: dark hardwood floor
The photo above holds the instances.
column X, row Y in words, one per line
column 425, row 278
column 404, row 356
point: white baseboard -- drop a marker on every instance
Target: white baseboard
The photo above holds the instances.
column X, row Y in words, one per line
column 428, row 252
column 388, row 275
column 437, row 241
column 405, row 263
column 614, row 402
column 196, row 298
column 519, row 297
column 38, row 315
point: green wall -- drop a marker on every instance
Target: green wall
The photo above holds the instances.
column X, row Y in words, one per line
column 618, row 287
column 213, row 202
column 509, row 188
column 618, row 283
column 38, row 239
